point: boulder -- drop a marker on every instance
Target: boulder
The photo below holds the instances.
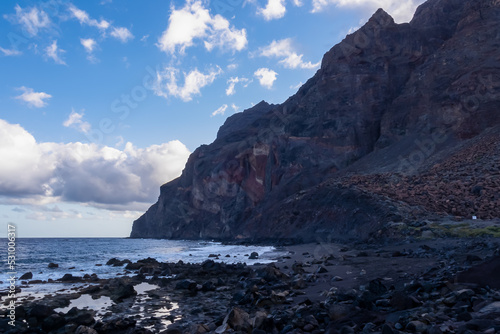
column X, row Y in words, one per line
column 28, row 275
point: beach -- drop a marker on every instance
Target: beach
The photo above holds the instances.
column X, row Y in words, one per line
column 441, row 285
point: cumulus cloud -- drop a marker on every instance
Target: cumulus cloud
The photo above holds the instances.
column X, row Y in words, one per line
column 32, row 98
column 76, row 121
column 96, row 175
column 166, row 83
column 230, row 90
column 10, row 52
column 275, row 9
column 122, row 34
column 32, row 19
column 52, row 51
column 220, row 111
column 266, row 77
column 194, row 21
column 400, row 10
column 289, row 58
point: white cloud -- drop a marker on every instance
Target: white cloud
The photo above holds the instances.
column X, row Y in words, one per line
column 289, row 58
column 76, row 121
column 84, row 18
column 31, row 19
column 232, row 82
column 295, row 87
column 400, row 10
column 32, row 98
column 52, row 51
column 10, row 52
column 275, row 9
column 166, row 83
column 266, row 77
column 297, row 3
column 235, row 107
column 120, row 33
column 89, row 44
column 95, row 175
column 123, row 34
column 194, row 21
column 220, row 111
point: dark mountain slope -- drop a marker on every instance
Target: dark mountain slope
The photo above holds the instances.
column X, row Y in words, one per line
column 390, row 98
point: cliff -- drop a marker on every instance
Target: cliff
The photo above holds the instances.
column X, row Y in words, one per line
column 379, row 134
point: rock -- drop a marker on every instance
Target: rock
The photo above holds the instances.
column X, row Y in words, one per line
column 53, row 265
column 270, row 273
column 428, row 234
column 186, row 284
column 490, row 311
column 253, row 256
column 484, row 274
column 208, row 286
column 90, row 289
column 238, row 320
column 116, row 262
column 402, row 301
column 321, row 270
column 383, row 303
column 369, row 327
column 308, row 328
column 85, row 330
column 259, row 319
column 70, row 278
column 134, row 266
column 80, row 317
column 259, row 331
column 224, row 328
column 53, row 322
column 377, row 287
column 337, row 279
column 416, row 326
column 28, row 275
column 121, row 290
column 200, row 329
column 338, row 311
column 39, row 311
column 464, row 316
column 386, row 329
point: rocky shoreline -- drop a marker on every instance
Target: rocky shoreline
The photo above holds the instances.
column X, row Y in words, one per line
column 449, row 285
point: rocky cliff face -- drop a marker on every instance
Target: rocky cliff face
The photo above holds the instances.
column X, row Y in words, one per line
column 391, row 106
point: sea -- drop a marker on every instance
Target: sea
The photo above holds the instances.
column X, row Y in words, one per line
column 80, row 256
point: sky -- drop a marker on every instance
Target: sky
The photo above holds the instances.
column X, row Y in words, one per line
column 101, row 102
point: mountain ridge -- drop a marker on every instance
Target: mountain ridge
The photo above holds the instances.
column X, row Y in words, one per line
column 388, row 93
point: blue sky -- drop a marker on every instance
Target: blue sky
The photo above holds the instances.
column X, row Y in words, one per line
column 101, row 102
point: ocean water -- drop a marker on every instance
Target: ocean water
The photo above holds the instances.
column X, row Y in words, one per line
column 80, row 256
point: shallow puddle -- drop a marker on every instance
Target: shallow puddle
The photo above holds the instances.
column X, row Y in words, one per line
column 143, row 287
column 87, row 302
